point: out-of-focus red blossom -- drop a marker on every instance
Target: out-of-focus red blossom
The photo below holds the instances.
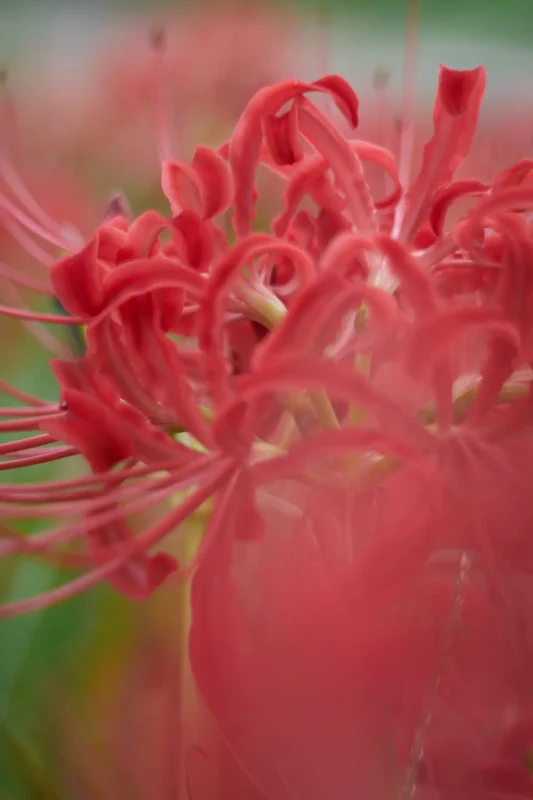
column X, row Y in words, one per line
column 352, row 391
column 212, row 64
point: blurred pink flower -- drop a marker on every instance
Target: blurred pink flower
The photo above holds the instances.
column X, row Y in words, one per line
column 213, row 60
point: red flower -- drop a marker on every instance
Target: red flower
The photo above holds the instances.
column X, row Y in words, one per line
column 353, row 391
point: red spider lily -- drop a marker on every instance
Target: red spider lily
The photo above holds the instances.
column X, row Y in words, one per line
column 353, row 393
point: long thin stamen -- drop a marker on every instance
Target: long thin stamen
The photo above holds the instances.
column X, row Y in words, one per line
column 138, row 545
column 51, row 454
column 323, row 48
column 100, row 516
column 44, row 336
column 438, row 252
column 27, row 222
column 26, row 421
column 11, row 177
column 98, row 482
column 166, row 139
column 169, row 486
column 35, row 316
column 82, row 504
column 27, row 282
column 33, row 424
column 55, row 558
column 24, row 397
column 21, row 444
column 23, row 238
column 23, row 195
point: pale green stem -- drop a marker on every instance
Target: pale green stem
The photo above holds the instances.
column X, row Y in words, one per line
column 464, row 402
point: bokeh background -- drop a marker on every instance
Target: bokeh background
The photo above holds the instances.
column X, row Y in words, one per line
column 92, row 692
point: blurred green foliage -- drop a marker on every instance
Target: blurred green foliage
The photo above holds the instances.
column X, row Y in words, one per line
column 473, row 18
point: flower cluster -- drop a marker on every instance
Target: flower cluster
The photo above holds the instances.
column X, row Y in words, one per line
column 351, row 394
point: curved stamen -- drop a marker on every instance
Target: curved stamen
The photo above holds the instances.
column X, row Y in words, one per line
column 24, row 196
column 23, row 238
column 28, row 282
column 166, row 139
column 140, row 544
column 24, row 397
column 44, row 336
column 22, row 444
column 55, row 319
column 53, row 454
column 179, row 481
column 27, row 423
column 26, row 221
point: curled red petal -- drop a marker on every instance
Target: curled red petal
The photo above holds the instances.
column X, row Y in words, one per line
column 415, row 282
column 93, row 429
column 446, row 196
column 84, row 376
column 215, row 179
column 316, row 317
column 342, row 160
column 77, row 280
column 177, row 393
column 111, row 240
column 197, row 235
column 343, row 96
column 382, row 158
column 304, row 181
column 298, row 330
column 302, row 231
column 245, row 144
column 509, row 198
column 142, row 574
column 140, row 577
column 455, row 118
column 146, row 275
column 222, row 277
column 433, row 337
column 456, row 88
column 144, row 232
column 329, row 225
column 181, row 187
column 344, row 251
column 425, row 237
column 281, row 134
column 515, row 175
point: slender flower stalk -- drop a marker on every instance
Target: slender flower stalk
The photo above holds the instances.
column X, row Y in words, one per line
column 349, row 395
